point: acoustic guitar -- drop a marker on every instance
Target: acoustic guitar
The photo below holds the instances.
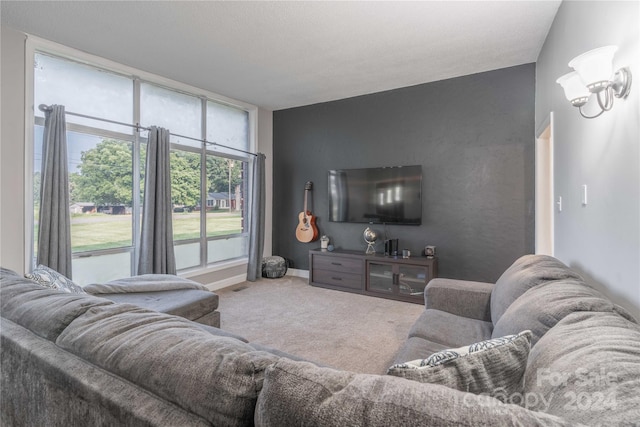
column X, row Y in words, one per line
column 306, row 231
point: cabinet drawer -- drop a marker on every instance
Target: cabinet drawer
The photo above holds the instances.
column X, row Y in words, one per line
column 337, row 264
column 335, row 278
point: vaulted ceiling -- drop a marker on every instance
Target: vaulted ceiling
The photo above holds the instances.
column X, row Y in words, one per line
column 286, row 54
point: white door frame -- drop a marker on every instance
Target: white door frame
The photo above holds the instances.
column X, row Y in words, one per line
column 544, row 194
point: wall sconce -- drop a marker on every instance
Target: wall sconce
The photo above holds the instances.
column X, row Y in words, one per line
column 593, row 75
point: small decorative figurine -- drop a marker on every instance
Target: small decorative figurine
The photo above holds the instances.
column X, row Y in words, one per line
column 324, row 242
column 430, row 251
column 370, row 237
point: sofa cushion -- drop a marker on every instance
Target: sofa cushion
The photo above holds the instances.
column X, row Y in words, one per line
column 541, row 307
column 43, row 385
column 5, row 272
column 278, row 353
column 587, row 369
column 218, row 378
column 415, row 348
column 449, row 329
column 213, row 330
column 43, row 311
column 494, row 367
column 625, row 313
column 50, row 278
column 299, row 393
column 188, row 303
column 525, row 273
column 211, row 319
column 462, row 297
column 144, row 283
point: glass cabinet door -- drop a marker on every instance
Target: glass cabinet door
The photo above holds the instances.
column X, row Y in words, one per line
column 411, row 280
column 381, row 277
column 398, row 280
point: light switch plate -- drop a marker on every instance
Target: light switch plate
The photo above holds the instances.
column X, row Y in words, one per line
column 584, row 195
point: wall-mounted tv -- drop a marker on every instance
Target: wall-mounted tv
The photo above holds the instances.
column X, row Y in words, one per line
column 386, row 195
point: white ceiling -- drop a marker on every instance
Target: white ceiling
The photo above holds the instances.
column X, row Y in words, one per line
column 287, row 54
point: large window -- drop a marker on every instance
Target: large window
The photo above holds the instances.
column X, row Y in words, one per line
column 107, row 162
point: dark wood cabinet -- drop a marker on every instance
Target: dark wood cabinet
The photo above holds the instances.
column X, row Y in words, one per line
column 343, row 272
column 376, row 275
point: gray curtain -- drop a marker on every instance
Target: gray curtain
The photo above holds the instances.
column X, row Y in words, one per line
column 54, row 232
column 156, row 238
column 256, row 226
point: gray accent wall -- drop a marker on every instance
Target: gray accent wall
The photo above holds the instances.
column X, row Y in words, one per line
column 602, row 239
column 473, row 136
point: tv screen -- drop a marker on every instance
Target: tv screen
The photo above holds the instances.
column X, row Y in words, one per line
column 389, row 195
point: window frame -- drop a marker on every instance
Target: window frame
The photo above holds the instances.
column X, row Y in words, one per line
column 135, row 194
column 36, row 45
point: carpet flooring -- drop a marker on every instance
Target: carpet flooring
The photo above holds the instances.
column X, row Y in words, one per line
column 348, row 331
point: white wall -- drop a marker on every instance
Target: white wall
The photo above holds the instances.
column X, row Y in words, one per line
column 12, row 158
column 602, row 239
column 265, row 146
column 12, row 214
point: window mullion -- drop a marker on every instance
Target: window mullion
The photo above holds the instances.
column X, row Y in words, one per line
column 203, row 185
column 136, row 179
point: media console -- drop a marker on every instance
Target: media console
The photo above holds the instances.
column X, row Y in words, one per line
column 397, row 278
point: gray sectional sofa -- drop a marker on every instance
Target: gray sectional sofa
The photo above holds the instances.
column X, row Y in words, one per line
column 72, row 359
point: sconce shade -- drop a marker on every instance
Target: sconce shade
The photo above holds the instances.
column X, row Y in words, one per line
column 595, row 67
column 594, row 74
column 574, row 88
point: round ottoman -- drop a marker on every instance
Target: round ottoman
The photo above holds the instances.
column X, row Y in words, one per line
column 274, row 267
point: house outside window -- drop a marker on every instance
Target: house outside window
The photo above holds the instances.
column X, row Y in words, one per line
column 107, row 163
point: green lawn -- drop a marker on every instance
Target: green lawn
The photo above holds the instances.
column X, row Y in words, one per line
column 100, row 231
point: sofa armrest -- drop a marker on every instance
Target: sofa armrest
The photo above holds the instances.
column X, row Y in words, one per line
column 461, row 297
column 143, row 283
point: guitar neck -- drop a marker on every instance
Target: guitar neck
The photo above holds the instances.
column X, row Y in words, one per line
column 305, row 201
column 307, row 188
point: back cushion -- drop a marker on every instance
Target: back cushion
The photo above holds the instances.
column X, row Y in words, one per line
column 5, row 272
column 299, row 393
column 587, row 369
column 541, row 307
column 526, row 272
column 217, row 378
column 45, row 312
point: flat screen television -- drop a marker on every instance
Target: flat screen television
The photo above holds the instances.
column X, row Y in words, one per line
column 386, row 195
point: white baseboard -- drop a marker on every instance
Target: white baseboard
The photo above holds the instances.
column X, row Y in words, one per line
column 298, row 273
column 225, row 283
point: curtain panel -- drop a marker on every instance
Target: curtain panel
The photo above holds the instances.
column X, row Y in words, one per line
column 54, row 224
column 256, row 224
column 156, row 239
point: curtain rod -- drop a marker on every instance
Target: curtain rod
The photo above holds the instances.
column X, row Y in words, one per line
column 137, row 127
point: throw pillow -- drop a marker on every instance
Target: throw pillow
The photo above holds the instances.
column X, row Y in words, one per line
column 50, row 278
column 493, row 367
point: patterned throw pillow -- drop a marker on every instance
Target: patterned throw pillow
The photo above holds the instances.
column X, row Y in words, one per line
column 50, row 278
column 494, row 367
